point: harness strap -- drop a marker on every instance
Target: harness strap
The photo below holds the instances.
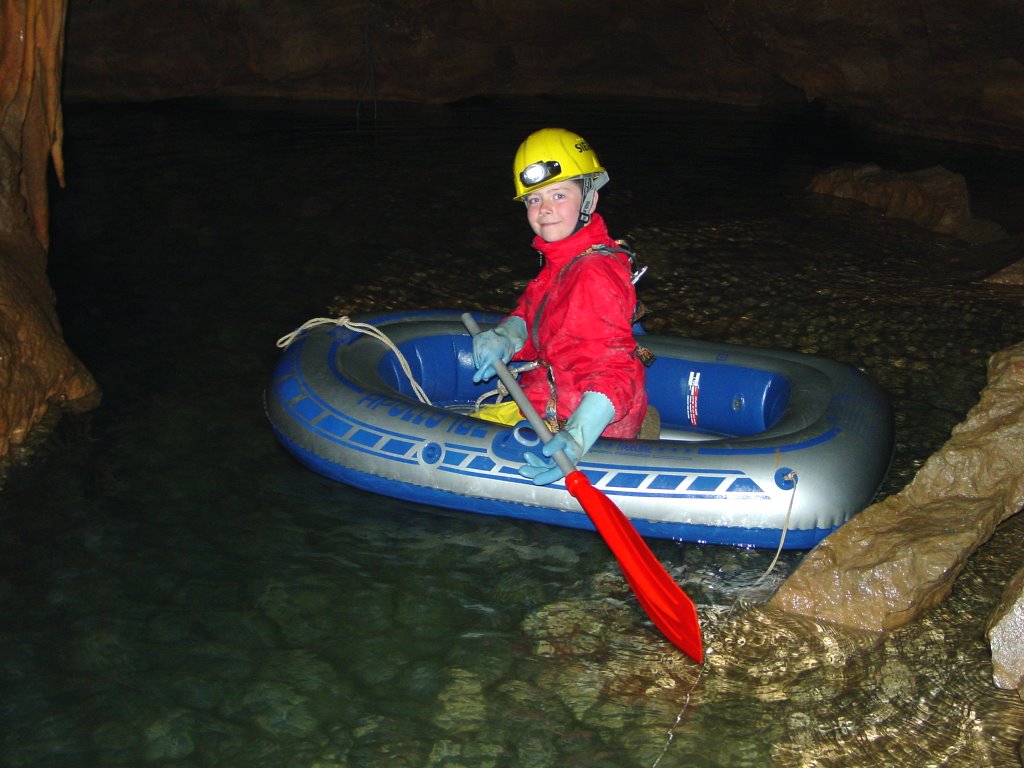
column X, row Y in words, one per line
column 643, row 354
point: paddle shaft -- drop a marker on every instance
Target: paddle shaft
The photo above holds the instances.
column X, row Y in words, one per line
column 671, row 609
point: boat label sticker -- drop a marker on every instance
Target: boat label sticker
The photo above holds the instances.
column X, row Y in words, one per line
column 693, row 392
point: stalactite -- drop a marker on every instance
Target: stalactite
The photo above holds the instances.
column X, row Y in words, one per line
column 31, row 123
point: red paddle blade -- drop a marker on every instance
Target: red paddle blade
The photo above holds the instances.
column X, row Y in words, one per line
column 671, row 610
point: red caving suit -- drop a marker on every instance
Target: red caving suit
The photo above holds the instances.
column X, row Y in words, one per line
column 585, row 331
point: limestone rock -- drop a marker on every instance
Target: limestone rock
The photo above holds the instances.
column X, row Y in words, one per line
column 36, row 368
column 1013, row 271
column 1011, row 275
column 1005, row 633
column 900, row 556
column 933, row 198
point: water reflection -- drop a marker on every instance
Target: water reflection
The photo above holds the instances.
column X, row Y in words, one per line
column 177, row 591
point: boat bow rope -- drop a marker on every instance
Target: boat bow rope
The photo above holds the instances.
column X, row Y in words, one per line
column 365, row 328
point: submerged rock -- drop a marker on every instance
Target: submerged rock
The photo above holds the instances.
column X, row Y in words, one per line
column 170, row 737
column 462, row 704
column 901, row 556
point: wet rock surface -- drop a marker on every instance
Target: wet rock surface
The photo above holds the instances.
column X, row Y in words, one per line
column 901, row 556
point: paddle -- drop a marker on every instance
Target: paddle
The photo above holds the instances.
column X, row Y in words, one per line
column 671, row 610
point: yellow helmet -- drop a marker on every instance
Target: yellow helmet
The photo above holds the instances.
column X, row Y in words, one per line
column 555, row 154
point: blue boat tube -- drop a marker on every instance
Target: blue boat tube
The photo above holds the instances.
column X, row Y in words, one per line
column 758, row 447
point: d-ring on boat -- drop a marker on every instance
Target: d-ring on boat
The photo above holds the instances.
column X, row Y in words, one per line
column 758, row 447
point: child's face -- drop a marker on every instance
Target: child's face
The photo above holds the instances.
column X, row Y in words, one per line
column 554, row 210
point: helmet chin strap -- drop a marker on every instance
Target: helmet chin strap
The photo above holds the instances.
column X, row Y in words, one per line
column 586, row 205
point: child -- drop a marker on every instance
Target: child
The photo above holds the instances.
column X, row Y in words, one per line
column 576, row 316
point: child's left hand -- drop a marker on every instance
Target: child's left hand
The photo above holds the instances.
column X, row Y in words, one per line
column 585, row 425
column 544, row 470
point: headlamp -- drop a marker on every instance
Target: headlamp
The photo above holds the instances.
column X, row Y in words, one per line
column 535, row 173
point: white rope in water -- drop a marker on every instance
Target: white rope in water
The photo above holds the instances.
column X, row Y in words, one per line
column 679, row 718
column 365, row 328
column 792, row 476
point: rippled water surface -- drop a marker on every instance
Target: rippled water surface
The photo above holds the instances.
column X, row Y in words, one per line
column 176, row 591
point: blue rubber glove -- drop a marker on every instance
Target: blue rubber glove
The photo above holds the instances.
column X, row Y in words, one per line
column 588, row 421
column 497, row 344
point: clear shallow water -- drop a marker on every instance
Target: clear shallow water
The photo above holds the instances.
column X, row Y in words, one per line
column 176, row 591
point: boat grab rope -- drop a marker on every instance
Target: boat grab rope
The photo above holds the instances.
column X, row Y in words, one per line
column 365, row 328
column 792, row 478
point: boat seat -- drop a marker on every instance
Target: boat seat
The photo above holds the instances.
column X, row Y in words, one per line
column 651, row 427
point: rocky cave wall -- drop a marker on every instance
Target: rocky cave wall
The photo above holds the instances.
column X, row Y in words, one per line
column 950, row 69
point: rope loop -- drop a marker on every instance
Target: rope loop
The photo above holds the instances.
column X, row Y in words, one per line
column 343, row 321
column 286, row 341
column 789, row 477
